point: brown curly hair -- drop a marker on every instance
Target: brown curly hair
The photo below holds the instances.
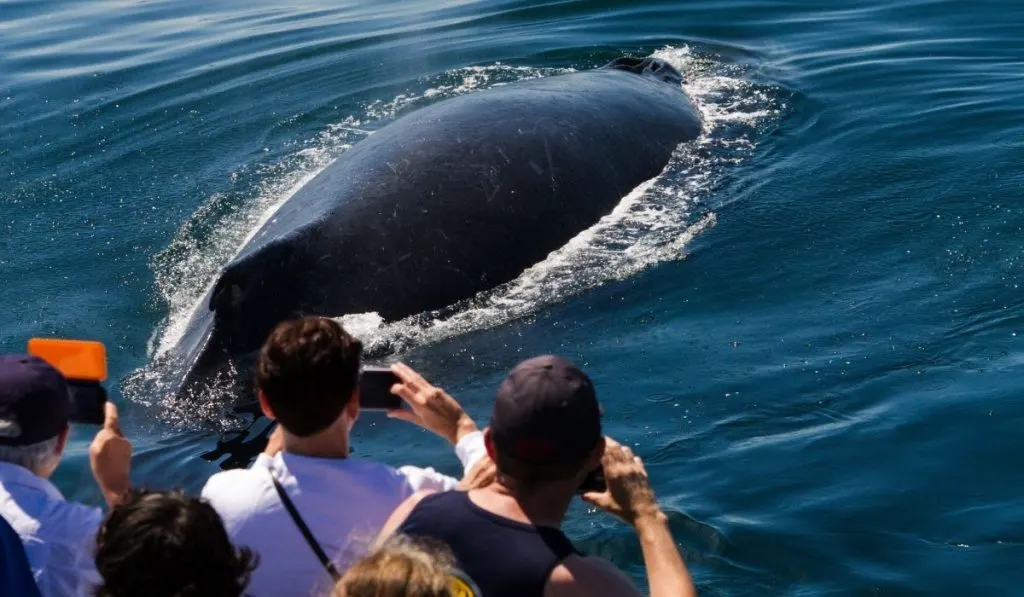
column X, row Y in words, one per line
column 167, row 544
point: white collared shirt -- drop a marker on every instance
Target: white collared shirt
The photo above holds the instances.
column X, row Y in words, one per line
column 59, row 536
column 343, row 501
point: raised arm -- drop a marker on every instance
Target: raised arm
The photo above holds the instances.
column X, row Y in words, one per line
column 630, row 497
column 110, row 457
column 429, row 407
column 478, row 469
column 434, row 409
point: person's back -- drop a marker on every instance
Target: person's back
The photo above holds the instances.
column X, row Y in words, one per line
column 545, row 438
column 505, row 557
column 344, row 502
column 310, row 509
column 57, row 535
column 15, row 574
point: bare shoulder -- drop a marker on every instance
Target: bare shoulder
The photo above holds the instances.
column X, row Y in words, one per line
column 399, row 514
column 414, row 499
column 577, row 576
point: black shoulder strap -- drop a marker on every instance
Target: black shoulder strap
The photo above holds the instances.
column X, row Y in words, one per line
column 290, row 507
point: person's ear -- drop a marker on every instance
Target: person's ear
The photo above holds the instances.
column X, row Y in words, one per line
column 489, row 444
column 62, row 439
column 352, row 408
column 265, row 405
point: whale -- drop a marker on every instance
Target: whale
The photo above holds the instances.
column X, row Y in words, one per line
column 445, row 202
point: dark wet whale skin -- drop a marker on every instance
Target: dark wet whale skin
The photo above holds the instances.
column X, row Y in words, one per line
column 452, row 199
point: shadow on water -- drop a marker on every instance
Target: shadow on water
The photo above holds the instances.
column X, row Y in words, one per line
column 237, row 448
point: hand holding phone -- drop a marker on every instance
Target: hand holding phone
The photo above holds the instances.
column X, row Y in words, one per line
column 84, row 364
column 430, row 407
column 593, row 482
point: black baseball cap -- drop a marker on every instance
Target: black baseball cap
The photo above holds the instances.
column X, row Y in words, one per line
column 35, row 403
column 546, row 412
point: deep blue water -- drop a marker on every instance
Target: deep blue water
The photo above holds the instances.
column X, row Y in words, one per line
column 810, row 327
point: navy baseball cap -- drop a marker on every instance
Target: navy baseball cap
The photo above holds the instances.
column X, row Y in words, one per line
column 35, row 403
column 546, row 412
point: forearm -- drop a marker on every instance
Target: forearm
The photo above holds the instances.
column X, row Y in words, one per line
column 666, row 573
column 114, row 492
column 469, row 449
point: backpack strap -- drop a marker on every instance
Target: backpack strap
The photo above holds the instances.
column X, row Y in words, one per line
column 290, row 507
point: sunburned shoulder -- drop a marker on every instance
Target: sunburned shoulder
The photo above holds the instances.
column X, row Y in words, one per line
column 578, row 576
column 400, row 514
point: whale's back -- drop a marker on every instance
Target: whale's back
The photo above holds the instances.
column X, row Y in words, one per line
column 452, row 199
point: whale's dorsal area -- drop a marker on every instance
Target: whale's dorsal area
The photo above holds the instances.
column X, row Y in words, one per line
column 450, row 200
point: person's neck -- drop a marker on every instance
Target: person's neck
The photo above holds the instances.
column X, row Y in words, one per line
column 540, row 507
column 329, row 443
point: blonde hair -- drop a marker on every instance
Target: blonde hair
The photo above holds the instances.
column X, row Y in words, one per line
column 401, row 567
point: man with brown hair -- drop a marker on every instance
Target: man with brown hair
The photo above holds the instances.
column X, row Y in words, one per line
column 311, row 509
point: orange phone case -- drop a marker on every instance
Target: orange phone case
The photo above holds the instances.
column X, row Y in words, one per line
column 82, row 360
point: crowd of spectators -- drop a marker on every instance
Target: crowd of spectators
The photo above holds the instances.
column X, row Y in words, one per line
column 308, row 519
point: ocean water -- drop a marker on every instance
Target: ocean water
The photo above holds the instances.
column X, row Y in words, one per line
column 808, row 325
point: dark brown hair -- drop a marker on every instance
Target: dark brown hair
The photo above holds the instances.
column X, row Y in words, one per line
column 308, row 370
column 167, row 544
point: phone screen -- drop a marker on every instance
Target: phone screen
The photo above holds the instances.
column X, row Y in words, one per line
column 88, row 402
column 375, row 389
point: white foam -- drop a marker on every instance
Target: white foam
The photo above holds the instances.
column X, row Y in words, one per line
column 653, row 224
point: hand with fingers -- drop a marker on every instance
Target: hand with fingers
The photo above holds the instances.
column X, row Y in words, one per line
column 110, row 457
column 429, row 407
column 629, row 494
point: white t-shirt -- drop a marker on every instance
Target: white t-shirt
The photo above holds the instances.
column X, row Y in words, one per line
column 343, row 501
column 59, row 536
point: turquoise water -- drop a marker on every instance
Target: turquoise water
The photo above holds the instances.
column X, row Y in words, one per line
column 808, row 326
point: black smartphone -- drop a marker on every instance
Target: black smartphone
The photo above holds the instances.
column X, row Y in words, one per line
column 593, row 482
column 375, row 389
column 88, row 402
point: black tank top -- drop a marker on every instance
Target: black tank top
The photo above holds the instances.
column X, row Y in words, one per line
column 504, row 557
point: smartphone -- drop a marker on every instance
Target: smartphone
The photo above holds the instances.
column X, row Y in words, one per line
column 375, row 389
column 593, row 482
column 88, row 402
column 84, row 364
